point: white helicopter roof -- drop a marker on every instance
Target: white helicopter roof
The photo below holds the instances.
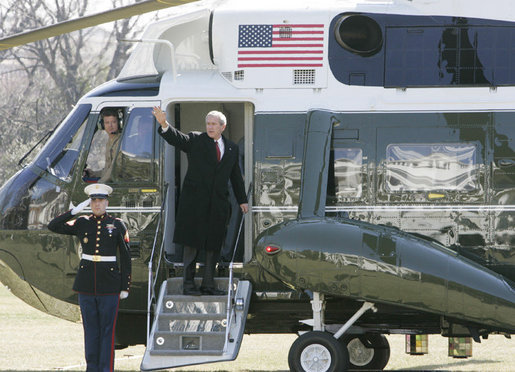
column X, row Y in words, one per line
column 190, row 25
column 190, row 70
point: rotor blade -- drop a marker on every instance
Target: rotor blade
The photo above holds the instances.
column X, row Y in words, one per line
column 87, row 21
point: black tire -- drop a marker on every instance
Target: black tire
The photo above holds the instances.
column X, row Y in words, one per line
column 317, row 351
column 365, row 358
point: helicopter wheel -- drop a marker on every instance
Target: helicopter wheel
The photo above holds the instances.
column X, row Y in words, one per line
column 317, row 351
column 374, row 357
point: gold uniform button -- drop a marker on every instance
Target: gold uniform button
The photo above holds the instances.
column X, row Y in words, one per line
column 96, row 251
column 98, row 245
column 98, row 239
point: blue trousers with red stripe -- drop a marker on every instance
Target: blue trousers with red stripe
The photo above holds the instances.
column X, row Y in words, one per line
column 99, row 320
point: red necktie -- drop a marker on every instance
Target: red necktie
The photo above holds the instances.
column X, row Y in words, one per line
column 217, row 151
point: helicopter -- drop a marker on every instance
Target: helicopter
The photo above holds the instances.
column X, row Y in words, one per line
column 378, row 149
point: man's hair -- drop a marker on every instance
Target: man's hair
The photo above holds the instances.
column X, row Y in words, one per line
column 217, row 114
column 109, row 112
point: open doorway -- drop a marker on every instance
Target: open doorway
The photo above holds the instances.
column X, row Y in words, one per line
column 188, row 117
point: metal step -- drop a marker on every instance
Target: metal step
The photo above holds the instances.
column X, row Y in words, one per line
column 192, row 323
column 194, row 304
column 194, row 343
column 194, row 329
column 174, row 285
column 185, row 353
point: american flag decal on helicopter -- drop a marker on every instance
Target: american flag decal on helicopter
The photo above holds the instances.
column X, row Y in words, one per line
column 281, row 45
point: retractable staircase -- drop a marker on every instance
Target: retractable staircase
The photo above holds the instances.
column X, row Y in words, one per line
column 196, row 329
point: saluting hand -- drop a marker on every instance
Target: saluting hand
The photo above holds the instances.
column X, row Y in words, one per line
column 80, row 207
column 160, row 116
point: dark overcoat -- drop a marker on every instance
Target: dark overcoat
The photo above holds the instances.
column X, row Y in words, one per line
column 204, row 208
column 104, row 236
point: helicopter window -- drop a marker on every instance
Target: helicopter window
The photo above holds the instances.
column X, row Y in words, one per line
column 60, row 153
column 345, row 175
column 135, row 159
column 104, row 146
column 63, row 164
column 431, row 167
column 96, row 155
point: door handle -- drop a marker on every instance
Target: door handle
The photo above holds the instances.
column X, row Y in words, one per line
column 506, row 162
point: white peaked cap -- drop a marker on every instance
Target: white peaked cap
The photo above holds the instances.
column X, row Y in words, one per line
column 98, row 190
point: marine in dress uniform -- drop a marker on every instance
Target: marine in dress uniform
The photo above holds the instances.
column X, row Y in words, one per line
column 102, row 279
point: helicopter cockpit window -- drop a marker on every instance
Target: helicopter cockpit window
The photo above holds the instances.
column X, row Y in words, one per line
column 431, row 167
column 96, row 156
column 104, row 146
column 59, row 155
column 345, row 175
column 65, row 162
column 135, row 160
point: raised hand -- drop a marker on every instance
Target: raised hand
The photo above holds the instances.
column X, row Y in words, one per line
column 80, row 207
column 160, row 116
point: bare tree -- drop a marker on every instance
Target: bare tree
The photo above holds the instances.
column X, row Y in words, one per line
column 123, row 29
column 63, row 57
column 60, row 56
column 41, row 81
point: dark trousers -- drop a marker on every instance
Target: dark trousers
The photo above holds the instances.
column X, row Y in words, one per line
column 99, row 320
column 190, row 255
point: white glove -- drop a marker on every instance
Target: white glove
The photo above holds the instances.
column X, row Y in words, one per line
column 124, row 295
column 80, row 207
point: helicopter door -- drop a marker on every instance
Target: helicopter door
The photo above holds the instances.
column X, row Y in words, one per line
column 136, row 179
column 190, row 116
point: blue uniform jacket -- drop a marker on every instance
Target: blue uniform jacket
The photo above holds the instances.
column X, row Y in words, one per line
column 104, row 236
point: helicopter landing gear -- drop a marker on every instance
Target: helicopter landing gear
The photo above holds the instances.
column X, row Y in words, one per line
column 317, row 351
column 366, row 352
column 320, row 351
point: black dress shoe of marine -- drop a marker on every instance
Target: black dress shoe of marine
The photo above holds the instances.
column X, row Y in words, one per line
column 191, row 291
column 209, row 291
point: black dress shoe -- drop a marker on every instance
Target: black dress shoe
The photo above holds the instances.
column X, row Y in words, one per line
column 191, row 291
column 212, row 291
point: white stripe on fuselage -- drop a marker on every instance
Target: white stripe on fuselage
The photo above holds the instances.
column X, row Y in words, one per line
column 121, row 209
column 399, row 208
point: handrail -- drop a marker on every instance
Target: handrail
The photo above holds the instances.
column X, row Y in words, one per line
column 231, row 264
column 151, row 282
